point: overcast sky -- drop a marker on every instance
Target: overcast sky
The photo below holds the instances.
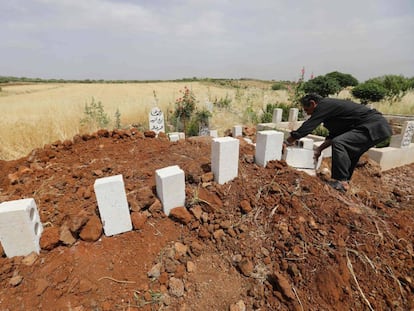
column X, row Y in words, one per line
column 173, row 39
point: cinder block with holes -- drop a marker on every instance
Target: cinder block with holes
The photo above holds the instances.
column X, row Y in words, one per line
column 306, row 143
column 224, row 159
column 268, row 146
column 173, row 136
column 20, row 227
column 170, row 184
column 113, row 205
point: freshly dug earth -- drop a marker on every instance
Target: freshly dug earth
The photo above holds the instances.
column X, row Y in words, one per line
column 273, row 238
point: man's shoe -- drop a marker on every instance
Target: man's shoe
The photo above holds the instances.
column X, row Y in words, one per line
column 342, row 186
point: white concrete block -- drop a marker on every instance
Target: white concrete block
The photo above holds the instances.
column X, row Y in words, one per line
column 305, row 143
column 20, row 227
column 213, row 133
column 269, row 146
column 390, row 157
column 293, row 114
column 113, row 205
column 237, row 131
column 301, row 158
column 173, row 137
column 224, row 159
column 170, row 184
column 277, row 115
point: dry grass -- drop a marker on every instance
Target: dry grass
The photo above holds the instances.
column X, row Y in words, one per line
column 36, row 114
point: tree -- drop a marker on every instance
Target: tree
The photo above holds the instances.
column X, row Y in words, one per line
column 343, row 79
column 369, row 92
column 322, row 85
column 396, row 86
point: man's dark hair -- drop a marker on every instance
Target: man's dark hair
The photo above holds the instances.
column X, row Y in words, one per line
column 305, row 100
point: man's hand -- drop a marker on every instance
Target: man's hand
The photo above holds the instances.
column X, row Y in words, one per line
column 288, row 142
column 317, row 154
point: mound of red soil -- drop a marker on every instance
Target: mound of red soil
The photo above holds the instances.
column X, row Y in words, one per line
column 272, row 239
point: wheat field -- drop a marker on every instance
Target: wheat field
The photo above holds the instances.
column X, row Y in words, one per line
column 37, row 114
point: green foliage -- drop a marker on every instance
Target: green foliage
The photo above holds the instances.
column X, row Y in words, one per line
column 267, row 115
column 320, row 131
column 322, row 85
column 184, row 107
column 411, row 83
column 343, row 79
column 278, row 86
column 250, row 116
column 295, row 89
column 384, row 143
column 94, row 115
column 223, row 102
column 192, row 128
column 117, row 119
column 369, row 92
column 202, row 117
column 396, row 86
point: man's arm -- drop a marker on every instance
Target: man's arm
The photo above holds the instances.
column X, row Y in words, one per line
column 322, row 147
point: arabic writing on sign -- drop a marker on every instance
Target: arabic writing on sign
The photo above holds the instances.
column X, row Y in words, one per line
column 203, row 131
column 407, row 134
column 156, row 120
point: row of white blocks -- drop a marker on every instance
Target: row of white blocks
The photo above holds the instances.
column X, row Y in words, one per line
column 21, row 229
column 20, row 226
column 278, row 113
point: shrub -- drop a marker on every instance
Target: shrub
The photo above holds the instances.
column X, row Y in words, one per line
column 384, row 143
column 343, row 79
column 250, row 115
column 223, row 102
column 321, row 131
column 322, row 85
column 202, row 117
column 184, row 107
column 278, row 86
column 267, row 115
column 95, row 116
column 396, row 86
column 369, row 92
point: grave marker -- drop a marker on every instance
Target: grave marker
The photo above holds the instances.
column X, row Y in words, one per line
column 224, row 159
column 170, row 184
column 156, row 120
column 269, row 146
column 113, row 205
column 20, row 227
column 213, row 133
column 237, row 131
column 404, row 139
column 277, row 115
column 293, row 114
